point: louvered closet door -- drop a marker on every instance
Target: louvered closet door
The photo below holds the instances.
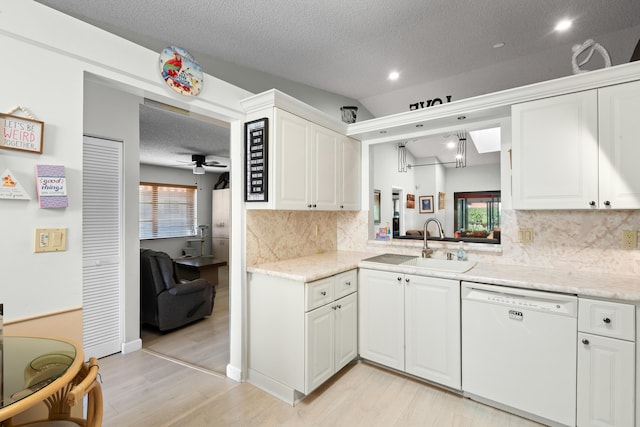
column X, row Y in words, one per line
column 101, row 246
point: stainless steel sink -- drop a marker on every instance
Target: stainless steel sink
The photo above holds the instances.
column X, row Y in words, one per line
column 440, row 264
column 426, row 263
column 393, row 259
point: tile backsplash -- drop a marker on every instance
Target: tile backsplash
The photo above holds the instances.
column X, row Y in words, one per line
column 569, row 240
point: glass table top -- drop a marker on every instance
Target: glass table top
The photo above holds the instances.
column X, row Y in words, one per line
column 27, row 364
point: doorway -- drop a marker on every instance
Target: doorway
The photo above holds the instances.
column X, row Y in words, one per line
column 397, row 216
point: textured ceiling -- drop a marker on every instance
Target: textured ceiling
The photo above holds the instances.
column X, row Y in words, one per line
column 342, row 47
column 349, row 47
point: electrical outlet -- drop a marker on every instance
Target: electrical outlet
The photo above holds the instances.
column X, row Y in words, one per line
column 629, row 239
column 525, row 235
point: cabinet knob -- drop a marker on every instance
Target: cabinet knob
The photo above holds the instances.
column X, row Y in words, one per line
column 348, row 283
column 407, row 280
column 339, row 305
column 607, row 203
column 399, row 279
column 309, row 206
column 315, row 206
column 334, row 307
column 592, row 203
column 606, row 320
column 323, row 293
column 585, row 341
column 341, row 206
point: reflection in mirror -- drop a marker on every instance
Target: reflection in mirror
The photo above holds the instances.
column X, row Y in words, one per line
column 376, row 206
column 432, row 170
column 477, row 215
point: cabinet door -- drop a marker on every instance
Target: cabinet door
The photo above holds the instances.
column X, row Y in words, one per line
column 606, row 375
column 293, row 143
column 346, row 330
column 220, row 212
column 619, row 129
column 381, row 317
column 350, row 181
column 324, row 169
column 319, row 346
column 555, row 152
column 432, row 329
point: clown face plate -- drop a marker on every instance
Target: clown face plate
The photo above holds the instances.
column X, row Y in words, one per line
column 180, row 71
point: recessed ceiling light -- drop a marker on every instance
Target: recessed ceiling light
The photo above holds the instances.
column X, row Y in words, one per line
column 419, row 125
column 498, row 45
column 451, row 145
column 383, row 132
column 462, row 117
column 563, row 25
column 394, row 75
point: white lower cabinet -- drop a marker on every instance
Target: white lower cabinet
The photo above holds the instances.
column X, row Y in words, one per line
column 331, row 340
column 300, row 334
column 412, row 324
column 606, row 365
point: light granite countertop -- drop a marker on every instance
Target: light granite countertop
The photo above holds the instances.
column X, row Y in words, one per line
column 608, row 286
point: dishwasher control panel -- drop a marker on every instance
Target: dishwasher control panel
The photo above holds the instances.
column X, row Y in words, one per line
column 521, row 299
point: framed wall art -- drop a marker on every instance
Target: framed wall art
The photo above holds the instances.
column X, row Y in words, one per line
column 411, row 201
column 426, row 204
column 21, row 133
column 256, row 161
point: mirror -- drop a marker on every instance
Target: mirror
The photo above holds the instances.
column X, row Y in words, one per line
column 434, row 169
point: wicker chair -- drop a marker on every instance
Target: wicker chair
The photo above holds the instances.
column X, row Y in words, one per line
column 60, row 403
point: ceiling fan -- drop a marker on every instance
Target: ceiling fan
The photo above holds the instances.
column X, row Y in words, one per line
column 199, row 161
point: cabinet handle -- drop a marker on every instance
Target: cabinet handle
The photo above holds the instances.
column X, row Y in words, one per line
column 323, row 293
column 592, row 203
column 607, row 203
column 585, row 341
column 606, row 320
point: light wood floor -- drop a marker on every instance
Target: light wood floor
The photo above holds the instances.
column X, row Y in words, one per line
column 142, row 389
column 170, row 383
column 204, row 343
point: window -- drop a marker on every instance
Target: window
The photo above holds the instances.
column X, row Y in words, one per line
column 477, row 213
column 167, row 210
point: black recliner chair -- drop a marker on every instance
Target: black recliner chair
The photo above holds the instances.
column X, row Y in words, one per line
column 165, row 302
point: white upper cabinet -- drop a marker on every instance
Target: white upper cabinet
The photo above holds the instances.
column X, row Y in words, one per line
column 555, row 152
column 577, row 151
column 619, row 133
column 311, row 170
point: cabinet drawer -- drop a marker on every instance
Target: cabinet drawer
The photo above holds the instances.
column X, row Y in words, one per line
column 345, row 283
column 318, row 293
column 609, row 319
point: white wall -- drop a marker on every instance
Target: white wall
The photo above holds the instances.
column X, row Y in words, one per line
column 53, row 53
column 205, row 184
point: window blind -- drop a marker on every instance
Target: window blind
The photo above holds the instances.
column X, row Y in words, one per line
column 167, row 210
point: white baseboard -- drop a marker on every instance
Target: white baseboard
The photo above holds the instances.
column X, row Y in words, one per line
column 234, row 373
column 131, row 346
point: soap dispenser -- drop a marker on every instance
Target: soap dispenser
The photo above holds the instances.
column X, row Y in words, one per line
column 461, row 254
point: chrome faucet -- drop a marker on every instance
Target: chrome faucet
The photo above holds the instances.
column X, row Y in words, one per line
column 426, row 250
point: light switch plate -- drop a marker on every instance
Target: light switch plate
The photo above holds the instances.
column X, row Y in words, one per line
column 50, row 240
column 525, row 235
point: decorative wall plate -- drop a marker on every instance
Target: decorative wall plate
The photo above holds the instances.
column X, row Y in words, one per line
column 180, row 71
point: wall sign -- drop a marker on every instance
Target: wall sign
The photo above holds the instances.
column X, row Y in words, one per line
column 428, row 103
column 20, row 133
column 51, row 185
column 10, row 187
column 256, row 161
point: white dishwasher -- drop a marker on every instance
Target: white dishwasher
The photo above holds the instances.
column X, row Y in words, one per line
column 519, row 351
